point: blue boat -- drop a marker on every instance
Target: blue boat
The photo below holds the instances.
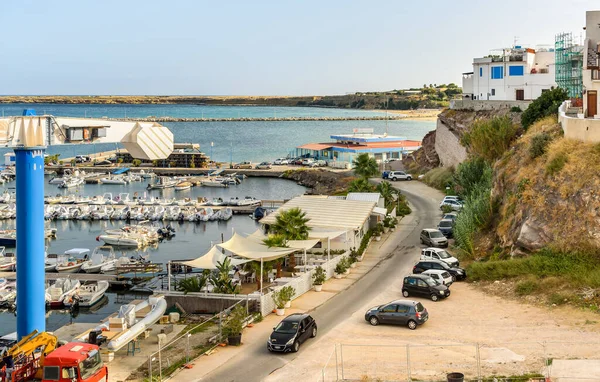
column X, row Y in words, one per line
column 120, row 171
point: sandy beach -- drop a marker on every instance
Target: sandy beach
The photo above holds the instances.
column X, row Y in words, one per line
column 418, row 114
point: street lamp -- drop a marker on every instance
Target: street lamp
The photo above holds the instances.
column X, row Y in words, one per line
column 211, row 151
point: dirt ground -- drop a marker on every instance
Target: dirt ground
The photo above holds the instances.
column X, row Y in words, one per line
column 514, row 339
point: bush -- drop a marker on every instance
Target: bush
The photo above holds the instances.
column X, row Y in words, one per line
column 539, row 144
column 489, row 139
column 439, row 178
column 526, row 287
column 402, row 208
column 136, row 163
column 556, row 164
column 319, row 276
column 545, row 105
column 516, row 109
column 469, row 174
column 340, row 267
column 287, row 293
column 557, row 299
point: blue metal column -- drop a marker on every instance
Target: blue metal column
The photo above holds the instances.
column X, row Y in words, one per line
column 31, row 302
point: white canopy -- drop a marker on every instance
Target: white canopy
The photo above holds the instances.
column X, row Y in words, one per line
column 259, row 236
column 253, row 249
column 380, row 211
column 77, row 251
column 210, row 259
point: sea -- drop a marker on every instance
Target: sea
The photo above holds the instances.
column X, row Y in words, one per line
column 223, row 141
column 236, row 141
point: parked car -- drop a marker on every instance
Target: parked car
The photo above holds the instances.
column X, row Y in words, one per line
column 318, row 163
column 263, row 166
column 451, row 216
column 441, row 277
column 243, row 165
column 296, row 161
column 425, row 286
column 291, row 332
column 425, row 265
column 385, row 174
column 399, row 175
column 439, row 254
column 433, row 238
column 82, row 159
column 446, row 227
column 281, row 161
column 307, row 161
column 454, row 204
column 400, row 312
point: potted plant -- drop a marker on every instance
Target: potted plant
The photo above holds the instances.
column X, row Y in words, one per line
column 339, row 270
column 353, row 258
column 279, row 303
column 232, row 329
column 319, row 278
column 386, row 224
column 347, row 263
column 393, row 223
column 287, row 292
column 377, row 232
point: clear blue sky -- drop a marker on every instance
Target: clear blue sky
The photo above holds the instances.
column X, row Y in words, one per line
column 250, row 47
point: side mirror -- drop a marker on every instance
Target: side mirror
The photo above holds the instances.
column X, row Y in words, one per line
column 303, row 331
column 273, row 328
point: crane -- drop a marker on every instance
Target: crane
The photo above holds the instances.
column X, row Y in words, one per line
column 22, row 353
column 29, row 136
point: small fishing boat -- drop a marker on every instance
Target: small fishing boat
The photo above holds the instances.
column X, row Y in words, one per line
column 217, row 202
column 259, row 213
column 122, row 240
column 70, row 183
column 8, row 294
column 50, row 262
column 182, row 186
column 69, row 263
column 8, row 238
column 163, row 182
column 117, row 180
column 88, row 294
column 213, row 183
column 248, row 201
column 233, row 201
column 82, row 200
column 102, row 256
column 7, row 263
column 134, row 326
column 62, row 289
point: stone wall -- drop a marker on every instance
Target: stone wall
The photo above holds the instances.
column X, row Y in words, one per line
column 448, row 147
column 477, row 105
column 200, row 303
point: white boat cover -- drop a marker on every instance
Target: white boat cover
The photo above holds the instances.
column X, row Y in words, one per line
column 127, row 312
column 77, row 251
column 210, row 259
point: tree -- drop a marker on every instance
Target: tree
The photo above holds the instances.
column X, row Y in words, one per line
column 365, row 166
column 292, row 225
column 545, row 105
column 387, row 192
column 276, row 240
column 360, row 185
column 193, row 284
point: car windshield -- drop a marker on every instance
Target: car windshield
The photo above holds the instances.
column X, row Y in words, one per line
column 443, row 254
column 91, row 365
column 446, row 275
column 430, row 281
column 445, row 224
column 435, row 234
column 287, row 327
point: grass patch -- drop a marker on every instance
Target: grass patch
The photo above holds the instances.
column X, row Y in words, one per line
column 556, row 164
column 539, row 144
column 490, row 139
column 439, row 178
column 557, row 299
column 526, row 287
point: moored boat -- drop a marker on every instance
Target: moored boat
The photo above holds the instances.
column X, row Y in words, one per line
column 102, row 256
column 88, row 294
column 62, row 289
column 182, row 186
column 72, row 261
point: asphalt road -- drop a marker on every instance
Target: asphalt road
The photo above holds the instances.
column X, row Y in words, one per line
column 256, row 363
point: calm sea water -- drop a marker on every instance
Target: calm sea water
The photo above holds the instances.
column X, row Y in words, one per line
column 232, row 141
column 191, row 240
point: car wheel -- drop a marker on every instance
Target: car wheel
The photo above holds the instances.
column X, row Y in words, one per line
column 314, row 332
column 422, row 242
column 412, row 325
column 434, row 297
column 409, row 178
column 269, row 349
column 405, row 293
column 295, row 347
column 453, row 278
column 394, row 179
column 374, row 321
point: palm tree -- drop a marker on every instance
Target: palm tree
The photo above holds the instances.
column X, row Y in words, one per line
column 292, row 225
column 387, row 192
column 193, row 284
column 365, row 166
column 360, row 185
column 276, row 240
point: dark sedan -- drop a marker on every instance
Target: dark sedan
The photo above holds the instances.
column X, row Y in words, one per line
column 290, row 333
column 401, row 312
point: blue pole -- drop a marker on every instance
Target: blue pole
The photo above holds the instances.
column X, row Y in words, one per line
column 31, row 301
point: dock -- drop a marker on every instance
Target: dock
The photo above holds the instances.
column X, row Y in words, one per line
column 113, row 280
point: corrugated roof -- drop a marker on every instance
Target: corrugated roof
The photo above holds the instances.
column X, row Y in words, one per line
column 328, row 213
column 364, row 196
column 315, row 146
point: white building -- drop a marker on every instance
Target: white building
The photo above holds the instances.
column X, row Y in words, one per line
column 591, row 65
column 512, row 74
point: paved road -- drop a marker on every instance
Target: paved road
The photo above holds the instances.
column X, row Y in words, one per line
column 256, row 362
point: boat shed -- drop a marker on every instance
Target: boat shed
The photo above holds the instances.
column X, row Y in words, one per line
column 347, row 220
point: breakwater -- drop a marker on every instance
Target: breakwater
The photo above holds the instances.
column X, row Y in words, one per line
column 264, row 119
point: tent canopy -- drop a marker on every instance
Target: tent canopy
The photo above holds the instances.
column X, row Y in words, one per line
column 259, row 236
column 210, row 259
column 253, row 249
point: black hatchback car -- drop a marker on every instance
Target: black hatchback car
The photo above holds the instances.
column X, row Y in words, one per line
column 425, row 286
column 424, row 265
column 400, row 312
column 290, row 333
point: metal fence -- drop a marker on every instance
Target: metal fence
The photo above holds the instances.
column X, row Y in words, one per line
column 477, row 362
column 188, row 345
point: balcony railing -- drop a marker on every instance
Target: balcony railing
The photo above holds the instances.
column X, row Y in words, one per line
column 595, row 75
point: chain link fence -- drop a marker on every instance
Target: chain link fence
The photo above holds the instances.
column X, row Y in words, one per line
column 477, row 362
column 190, row 344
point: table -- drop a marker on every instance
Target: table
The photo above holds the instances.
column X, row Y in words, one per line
column 305, row 267
column 283, row 280
column 317, row 261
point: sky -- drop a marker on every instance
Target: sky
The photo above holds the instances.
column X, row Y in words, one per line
column 254, row 47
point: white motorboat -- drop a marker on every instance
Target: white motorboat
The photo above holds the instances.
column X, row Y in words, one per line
column 7, row 263
column 182, row 186
column 50, row 263
column 248, row 201
column 71, row 261
column 102, row 256
column 88, row 294
column 213, row 183
column 113, row 180
column 217, row 202
column 163, row 182
column 147, row 175
column 62, row 289
column 233, row 201
column 8, row 293
column 122, row 240
column 70, row 183
column 134, row 326
column 82, row 200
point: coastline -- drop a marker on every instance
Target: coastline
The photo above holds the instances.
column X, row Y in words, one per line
column 416, row 114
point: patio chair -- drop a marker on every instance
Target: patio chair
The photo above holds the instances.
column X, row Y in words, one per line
column 252, row 277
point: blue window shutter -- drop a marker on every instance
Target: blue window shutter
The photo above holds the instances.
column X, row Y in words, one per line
column 497, row 73
column 480, row 72
column 516, row 70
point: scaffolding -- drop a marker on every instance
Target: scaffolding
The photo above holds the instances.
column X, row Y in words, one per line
column 569, row 65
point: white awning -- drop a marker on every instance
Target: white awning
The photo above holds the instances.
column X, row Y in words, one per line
column 77, row 251
column 259, row 236
column 210, row 259
column 380, row 211
column 253, row 249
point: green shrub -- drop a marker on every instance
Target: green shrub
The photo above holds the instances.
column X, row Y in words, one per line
column 489, row 139
column 469, row 174
column 539, row 144
column 545, row 105
column 526, row 287
column 557, row 299
column 556, row 164
column 516, row 109
column 439, row 178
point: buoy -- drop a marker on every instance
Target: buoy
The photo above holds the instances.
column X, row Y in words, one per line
column 97, row 238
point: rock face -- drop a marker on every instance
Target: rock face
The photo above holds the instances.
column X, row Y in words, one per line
column 426, row 157
column 532, row 237
column 320, row 182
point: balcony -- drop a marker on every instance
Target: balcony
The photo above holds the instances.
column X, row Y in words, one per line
column 592, row 59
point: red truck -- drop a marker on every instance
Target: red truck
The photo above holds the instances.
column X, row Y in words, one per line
column 75, row 361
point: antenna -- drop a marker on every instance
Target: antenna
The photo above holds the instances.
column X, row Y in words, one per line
column 515, row 41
